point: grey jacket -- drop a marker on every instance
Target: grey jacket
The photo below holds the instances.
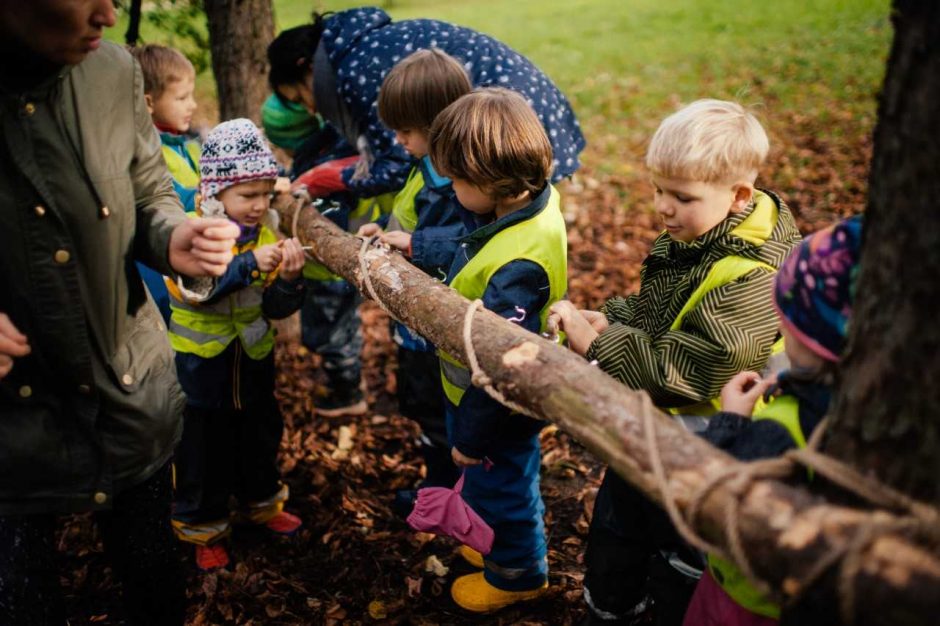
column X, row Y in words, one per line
column 84, row 192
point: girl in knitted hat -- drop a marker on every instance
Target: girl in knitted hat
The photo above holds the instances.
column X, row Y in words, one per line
column 224, row 355
column 813, row 294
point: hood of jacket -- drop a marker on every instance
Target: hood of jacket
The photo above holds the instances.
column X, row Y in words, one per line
column 343, row 30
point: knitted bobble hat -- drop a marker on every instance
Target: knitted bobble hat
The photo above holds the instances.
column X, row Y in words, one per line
column 815, row 287
column 235, row 152
column 286, row 124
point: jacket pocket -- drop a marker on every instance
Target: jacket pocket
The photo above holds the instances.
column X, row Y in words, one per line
column 143, row 350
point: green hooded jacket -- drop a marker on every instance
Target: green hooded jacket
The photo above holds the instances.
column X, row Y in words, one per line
column 730, row 330
column 84, row 192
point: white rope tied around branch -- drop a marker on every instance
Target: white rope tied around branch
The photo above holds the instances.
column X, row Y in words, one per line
column 477, row 375
column 919, row 519
column 364, row 271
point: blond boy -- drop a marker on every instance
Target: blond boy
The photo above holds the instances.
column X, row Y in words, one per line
column 703, row 313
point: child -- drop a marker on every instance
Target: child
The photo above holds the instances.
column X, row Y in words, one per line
column 498, row 157
column 169, row 83
column 425, row 224
column 329, row 317
column 702, row 314
column 813, row 295
column 224, row 356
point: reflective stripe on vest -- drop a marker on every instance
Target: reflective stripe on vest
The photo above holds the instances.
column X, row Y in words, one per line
column 367, row 210
column 207, row 329
column 184, row 170
column 541, row 239
column 785, row 410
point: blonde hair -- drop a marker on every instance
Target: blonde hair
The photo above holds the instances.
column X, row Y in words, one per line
column 493, row 139
column 709, row 141
column 161, row 66
column 419, row 87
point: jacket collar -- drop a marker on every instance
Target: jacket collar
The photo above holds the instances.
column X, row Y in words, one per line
column 487, row 230
column 431, row 178
column 737, row 234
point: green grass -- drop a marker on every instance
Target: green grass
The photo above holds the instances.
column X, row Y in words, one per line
column 627, row 63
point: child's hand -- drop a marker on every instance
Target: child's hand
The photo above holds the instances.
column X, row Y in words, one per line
column 563, row 316
column 282, row 185
column 292, row 258
column 596, row 319
column 741, row 392
column 268, row 257
column 462, row 460
column 367, row 230
column 398, row 239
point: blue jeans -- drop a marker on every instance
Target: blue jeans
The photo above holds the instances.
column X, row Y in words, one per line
column 507, row 497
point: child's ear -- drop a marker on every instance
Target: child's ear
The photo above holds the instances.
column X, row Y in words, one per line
column 743, row 193
column 149, row 100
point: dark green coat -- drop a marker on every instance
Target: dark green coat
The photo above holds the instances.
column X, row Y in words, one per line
column 84, row 192
column 732, row 329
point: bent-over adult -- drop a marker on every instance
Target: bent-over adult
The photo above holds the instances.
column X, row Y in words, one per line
column 336, row 65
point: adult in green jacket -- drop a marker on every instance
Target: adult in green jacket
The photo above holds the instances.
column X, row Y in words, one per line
column 89, row 402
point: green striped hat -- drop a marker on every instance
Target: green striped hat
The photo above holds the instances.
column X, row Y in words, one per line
column 287, row 125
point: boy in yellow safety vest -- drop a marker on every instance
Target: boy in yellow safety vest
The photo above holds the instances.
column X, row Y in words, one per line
column 703, row 314
column 169, row 85
column 224, row 346
column 813, row 295
column 496, row 153
column 425, row 225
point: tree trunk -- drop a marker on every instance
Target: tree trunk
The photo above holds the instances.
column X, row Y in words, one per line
column 887, row 412
column 239, row 34
column 785, row 530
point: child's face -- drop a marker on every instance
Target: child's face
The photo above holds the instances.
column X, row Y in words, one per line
column 472, row 197
column 415, row 142
column 247, row 203
column 799, row 355
column 174, row 107
column 690, row 208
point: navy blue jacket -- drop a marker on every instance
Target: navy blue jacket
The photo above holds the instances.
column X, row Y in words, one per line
column 517, row 292
column 748, row 440
column 434, row 240
column 361, row 46
column 441, row 223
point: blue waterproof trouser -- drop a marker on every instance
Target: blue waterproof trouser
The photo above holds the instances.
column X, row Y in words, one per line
column 507, row 497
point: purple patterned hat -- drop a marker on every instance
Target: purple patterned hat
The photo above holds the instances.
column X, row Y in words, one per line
column 815, row 287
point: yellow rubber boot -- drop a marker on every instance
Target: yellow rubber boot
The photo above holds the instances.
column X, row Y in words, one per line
column 471, row 556
column 473, row 593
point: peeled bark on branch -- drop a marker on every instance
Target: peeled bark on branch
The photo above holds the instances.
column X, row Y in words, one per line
column 785, row 530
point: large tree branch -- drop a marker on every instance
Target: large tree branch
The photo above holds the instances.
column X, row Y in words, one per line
column 785, row 530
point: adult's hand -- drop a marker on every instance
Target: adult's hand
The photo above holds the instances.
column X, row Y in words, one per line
column 202, row 246
column 13, row 344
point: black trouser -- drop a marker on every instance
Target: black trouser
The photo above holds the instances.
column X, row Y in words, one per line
column 421, row 398
column 330, row 326
column 624, row 559
column 137, row 539
column 224, row 453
